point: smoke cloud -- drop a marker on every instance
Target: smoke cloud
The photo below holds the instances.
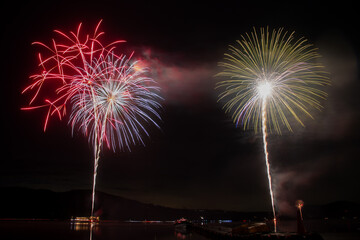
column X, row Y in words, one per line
column 182, row 82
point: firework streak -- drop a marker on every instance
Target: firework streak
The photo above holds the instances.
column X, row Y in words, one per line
column 269, row 79
column 110, row 97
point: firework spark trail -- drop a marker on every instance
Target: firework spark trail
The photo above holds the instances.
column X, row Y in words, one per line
column 109, row 113
column 109, row 96
column 270, row 78
column 264, row 133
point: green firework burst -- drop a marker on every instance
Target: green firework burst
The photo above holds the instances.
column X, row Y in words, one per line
column 277, row 59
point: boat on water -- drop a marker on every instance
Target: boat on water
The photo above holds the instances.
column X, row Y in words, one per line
column 182, row 225
column 91, row 219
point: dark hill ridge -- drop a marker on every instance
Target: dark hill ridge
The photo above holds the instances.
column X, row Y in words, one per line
column 30, row 203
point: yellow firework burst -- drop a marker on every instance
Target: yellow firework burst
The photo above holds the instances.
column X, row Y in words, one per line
column 276, row 67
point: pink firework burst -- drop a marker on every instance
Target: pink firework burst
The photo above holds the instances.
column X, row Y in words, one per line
column 109, row 95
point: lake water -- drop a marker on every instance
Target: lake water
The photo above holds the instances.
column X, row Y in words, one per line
column 331, row 229
column 53, row 230
column 56, row 230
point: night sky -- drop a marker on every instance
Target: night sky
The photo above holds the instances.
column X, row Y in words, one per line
column 198, row 159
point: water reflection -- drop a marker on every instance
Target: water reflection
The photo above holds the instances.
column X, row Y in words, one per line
column 45, row 230
column 83, row 226
column 182, row 236
column 125, row 230
column 92, row 226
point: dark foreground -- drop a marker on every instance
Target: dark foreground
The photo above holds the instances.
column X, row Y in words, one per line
column 64, row 230
column 55, row 230
column 220, row 233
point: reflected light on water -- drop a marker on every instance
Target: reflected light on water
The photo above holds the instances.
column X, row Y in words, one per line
column 83, row 226
column 182, row 236
column 334, row 229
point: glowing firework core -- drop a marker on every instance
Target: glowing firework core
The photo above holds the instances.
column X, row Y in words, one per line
column 299, row 204
column 264, row 89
